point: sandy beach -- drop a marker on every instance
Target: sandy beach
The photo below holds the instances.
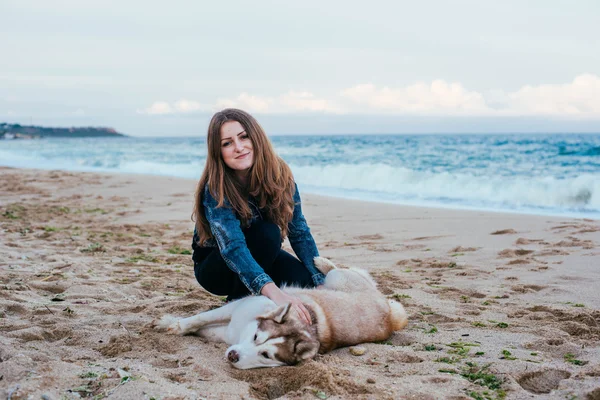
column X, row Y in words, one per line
column 501, row 305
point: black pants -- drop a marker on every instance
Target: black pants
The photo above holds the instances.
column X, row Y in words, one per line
column 264, row 242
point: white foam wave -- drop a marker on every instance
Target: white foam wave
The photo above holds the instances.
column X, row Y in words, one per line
column 471, row 188
column 190, row 170
column 397, row 183
column 8, row 159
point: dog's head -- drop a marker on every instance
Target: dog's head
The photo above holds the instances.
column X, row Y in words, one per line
column 275, row 339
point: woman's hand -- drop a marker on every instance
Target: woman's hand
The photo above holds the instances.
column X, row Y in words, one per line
column 279, row 297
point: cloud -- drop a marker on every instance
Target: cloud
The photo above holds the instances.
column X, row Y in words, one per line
column 246, row 102
column 438, row 97
column 179, row 107
column 157, row 108
column 185, row 106
column 290, row 102
column 306, row 101
column 580, row 98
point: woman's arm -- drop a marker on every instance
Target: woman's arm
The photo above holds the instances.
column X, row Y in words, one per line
column 302, row 240
column 226, row 230
column 279, row 297
column 225, row 227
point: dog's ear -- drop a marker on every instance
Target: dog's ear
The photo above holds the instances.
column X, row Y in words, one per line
column 306, row 349
column 279, row 314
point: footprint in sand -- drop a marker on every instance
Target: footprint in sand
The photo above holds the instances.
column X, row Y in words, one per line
column 380, row 249
column 370, row 240
column 544, row 381
column 519, row 261
column 593, row 395
column 405, row 358
column 552, row 252
column 510, row 253
column 522, row 241
column 117, row 345
column 52, row 287
column 313, row 376
column 428, row 237
column 376, row 236
column 554, row 345
column 13, row 308
column 504, row 232
column 527, row 288
column 576, row 228
column 460, row 249
column 178, row 376
column 56, row 331
column 574, row 242
column 581, row 324
column 413, row 246
column 388, row 282
column 589, row 230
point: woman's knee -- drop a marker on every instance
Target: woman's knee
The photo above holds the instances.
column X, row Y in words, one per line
column 289, row 270
column 203, row 278
column 214, row 276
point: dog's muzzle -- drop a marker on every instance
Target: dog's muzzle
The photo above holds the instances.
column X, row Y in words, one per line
column 233, row 356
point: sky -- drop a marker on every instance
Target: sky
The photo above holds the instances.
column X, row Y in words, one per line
column 150, row 68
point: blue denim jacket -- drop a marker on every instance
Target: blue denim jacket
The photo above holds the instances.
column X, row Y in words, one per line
column 229, row 238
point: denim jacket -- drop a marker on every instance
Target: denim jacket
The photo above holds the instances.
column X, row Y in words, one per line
column 227, row 233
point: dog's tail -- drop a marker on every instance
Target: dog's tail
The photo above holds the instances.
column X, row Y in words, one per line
column 324, row 265
column 398, row 314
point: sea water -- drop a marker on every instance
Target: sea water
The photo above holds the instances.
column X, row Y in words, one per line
column 550, row 174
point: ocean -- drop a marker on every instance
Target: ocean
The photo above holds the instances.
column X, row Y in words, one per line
column 545, row 174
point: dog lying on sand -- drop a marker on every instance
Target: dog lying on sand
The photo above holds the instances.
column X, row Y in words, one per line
column 347, row 310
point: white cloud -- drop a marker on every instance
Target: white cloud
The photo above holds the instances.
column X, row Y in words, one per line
column 179, row 107
column 157, row 108
column 306, row 101
column 580, row 98
column 185, row 106
column 438, row 97
column 246, row 102
column 288, row 102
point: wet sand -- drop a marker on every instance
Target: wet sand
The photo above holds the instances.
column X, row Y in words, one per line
column 500, row 305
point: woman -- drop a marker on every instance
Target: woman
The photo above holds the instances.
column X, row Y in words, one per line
column 246, row 204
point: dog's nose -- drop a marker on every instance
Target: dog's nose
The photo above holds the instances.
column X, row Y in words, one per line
column 233, row 356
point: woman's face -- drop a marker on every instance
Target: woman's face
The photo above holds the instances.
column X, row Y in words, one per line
column 236, row 147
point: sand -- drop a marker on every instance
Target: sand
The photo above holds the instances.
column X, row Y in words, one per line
column 500, row 305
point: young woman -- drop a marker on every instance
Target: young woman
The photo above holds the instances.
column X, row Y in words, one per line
column 246, row 203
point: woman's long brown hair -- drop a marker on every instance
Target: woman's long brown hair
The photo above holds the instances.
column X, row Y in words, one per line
column 270, row 180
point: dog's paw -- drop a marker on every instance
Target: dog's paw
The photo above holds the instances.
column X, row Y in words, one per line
column 168, row 323
column 324, row 265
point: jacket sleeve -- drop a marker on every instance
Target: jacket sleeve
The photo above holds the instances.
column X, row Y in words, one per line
column 302, row 241
column 225, row 227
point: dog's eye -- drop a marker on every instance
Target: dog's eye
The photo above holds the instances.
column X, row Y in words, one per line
column 255, row 337
column 265, row 354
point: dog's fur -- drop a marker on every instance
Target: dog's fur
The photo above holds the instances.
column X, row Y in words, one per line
column 347, row 310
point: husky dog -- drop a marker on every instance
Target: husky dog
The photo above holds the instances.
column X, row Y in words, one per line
column 347, row 310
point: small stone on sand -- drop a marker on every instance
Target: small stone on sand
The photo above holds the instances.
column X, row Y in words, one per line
column 357, row 350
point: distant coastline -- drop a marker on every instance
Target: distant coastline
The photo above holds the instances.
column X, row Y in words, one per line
column 17, row 131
